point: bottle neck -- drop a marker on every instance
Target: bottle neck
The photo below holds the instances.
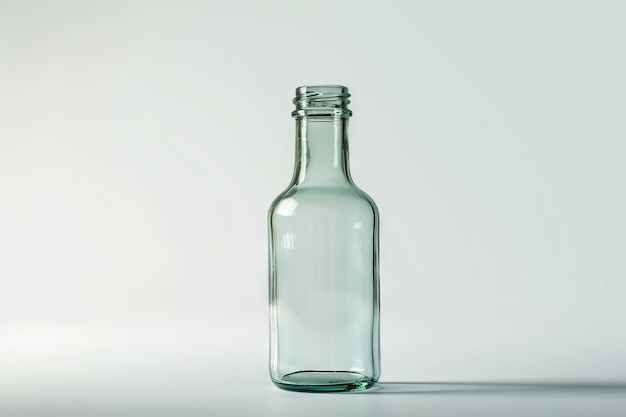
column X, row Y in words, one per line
column 322, row 151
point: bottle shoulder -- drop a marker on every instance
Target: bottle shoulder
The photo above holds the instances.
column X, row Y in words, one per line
column 333, row 198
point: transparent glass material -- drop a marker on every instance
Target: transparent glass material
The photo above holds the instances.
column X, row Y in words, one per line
column 323, row 259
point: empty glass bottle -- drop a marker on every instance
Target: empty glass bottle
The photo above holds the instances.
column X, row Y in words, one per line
column 323, row 259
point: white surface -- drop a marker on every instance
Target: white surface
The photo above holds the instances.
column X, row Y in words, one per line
column 142, row 142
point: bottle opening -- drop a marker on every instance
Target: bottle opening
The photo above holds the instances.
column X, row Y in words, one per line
column 322, row 101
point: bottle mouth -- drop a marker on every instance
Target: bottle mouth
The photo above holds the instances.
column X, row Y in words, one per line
column 322, row 101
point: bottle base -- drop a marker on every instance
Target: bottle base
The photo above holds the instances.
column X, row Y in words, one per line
column 324, row 381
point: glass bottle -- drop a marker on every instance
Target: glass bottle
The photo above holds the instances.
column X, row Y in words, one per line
column 323, row 259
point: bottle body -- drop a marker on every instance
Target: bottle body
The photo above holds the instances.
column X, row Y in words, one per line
column 323, row 270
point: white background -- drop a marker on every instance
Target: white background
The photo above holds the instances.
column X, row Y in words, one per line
column 141, row 143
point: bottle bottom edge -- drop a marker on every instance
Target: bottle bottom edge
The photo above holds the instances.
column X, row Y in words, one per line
column 324, row 381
